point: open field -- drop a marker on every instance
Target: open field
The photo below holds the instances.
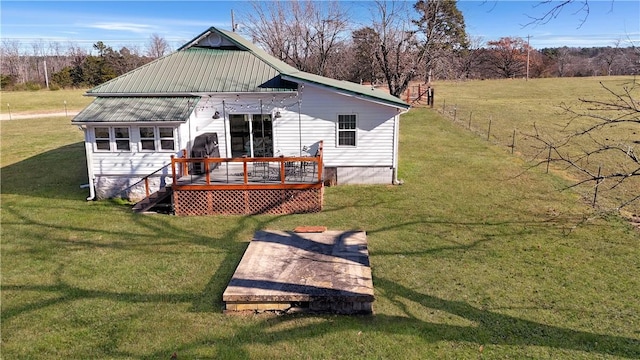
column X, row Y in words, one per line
column 469, row 261
column 43, row 101
column 514, row 106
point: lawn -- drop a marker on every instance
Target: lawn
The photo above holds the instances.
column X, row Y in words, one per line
column 471, row 258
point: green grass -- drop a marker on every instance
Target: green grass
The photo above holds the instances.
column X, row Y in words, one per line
column 516, row 105
column 469, row 261
column 43, row 101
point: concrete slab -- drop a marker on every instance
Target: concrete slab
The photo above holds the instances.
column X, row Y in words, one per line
column 327, row 271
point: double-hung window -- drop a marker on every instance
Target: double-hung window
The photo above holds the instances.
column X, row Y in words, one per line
column 123, row 138
column 347, row 130
column 167, row 138
column 112, row 138
column 103, row 138
column 147, row 138
column 157, row 138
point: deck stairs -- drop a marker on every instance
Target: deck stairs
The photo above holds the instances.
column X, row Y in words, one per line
column 155, row 201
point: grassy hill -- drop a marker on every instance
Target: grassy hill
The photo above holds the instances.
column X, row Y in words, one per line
column 471, row 258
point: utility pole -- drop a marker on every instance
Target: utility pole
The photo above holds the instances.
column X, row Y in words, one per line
column 528, row 47
column 233, row 22
column 46, row 76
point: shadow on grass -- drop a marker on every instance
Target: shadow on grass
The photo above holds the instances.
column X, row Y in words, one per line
column 54, row 174
column 489, row 328
column 57, row 174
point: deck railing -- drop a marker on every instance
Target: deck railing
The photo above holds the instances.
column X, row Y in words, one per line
column 297, row 172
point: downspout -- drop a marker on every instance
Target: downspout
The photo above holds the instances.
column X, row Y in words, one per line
column 396, row 136
column 89, row 155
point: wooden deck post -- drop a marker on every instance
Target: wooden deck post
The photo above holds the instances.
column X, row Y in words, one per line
column 185, row 166
column 320, row 162
column 244, row 170
column 173, row 170
column 207, row 175
column 146, row 186
column 282, row 174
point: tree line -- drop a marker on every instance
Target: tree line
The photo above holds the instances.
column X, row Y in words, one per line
column 402, row 42
column 56, row 65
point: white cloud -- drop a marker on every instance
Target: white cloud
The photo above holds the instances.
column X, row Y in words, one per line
column 119, row 26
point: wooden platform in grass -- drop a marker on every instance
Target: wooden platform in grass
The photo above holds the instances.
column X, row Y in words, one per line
column 321, row 271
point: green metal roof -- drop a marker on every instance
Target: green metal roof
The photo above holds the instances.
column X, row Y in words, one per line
column 198, row 70
column 235, row 66
column 290, row 72
column 130, row 109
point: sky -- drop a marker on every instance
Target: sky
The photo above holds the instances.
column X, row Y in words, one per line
column 125, row 23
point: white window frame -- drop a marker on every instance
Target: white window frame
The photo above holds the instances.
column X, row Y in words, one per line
column 116, row 139
column 96, row 139
column 157, row 139
column 153, row 139
column 113, row 147
column 161, row 138
column 354, row 131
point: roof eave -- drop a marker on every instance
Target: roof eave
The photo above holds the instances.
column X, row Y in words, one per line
column 167, row 122
column 192, row 94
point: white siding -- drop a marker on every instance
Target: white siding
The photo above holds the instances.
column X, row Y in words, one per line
column 320, row 110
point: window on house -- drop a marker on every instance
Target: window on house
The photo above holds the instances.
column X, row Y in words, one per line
column 147, row 138
column 103, row 139
column 167, row 138
column 157, row 138
column 347, row 130
column 122, row 138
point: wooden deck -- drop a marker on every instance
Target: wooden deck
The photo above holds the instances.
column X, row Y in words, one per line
column 327, row 272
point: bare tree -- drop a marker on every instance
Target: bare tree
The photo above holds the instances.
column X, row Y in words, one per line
column 305, row 34
column 468, row 60
column 553, row 8
column 600, row 144
column 608, row 57
column 11, row 60
column 400, row 54
column 157, row 46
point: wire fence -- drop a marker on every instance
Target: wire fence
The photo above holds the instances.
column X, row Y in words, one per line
column 501, row 132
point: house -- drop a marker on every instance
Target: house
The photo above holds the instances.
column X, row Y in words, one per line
column 220, row 96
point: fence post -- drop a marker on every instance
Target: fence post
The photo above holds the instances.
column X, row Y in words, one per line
column 455, row 112
column 549, row 158
column 489, row 130
column 444, row 105
column 432, row 93
column 471, row 113
column 513, row 141
column 595, row 191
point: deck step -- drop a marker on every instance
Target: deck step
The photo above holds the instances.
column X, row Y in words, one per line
column 152, row 200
